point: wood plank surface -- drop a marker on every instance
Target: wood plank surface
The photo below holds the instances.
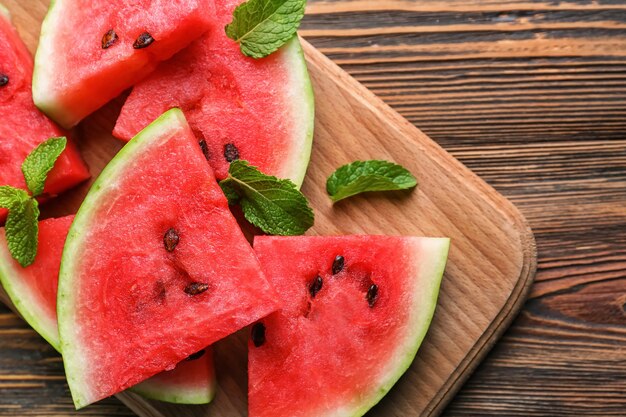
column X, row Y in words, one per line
column 531, row 96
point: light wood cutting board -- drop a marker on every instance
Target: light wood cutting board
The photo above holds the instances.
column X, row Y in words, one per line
column 492, row 258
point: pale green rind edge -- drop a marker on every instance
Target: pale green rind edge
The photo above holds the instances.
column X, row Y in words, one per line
column 171, row 394
column 23, row 299
column 75, row 363
column 5, row 11
column 44, row 71
column 428, row 275
column 303, row 109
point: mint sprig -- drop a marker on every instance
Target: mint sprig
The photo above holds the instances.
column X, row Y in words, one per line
column 274, row 205
column 40, row 161
column 262, row 26
column 365, row 176
column 22, row 227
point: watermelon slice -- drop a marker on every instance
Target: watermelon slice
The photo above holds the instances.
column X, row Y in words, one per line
column 24, row 127
column 33, row 291
column 154, row 266
column 89, row 52
column 355, row 311
column 258, row 110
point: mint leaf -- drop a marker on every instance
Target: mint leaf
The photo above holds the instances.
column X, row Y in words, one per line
column 22, row 229
column 364, row 176
column 11, row 197
column 262, row 26
column 274, row 205
column 40, row 161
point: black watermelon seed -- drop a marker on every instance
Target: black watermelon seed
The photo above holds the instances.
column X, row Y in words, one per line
column 258, row 334
column 143, row 41
column 231, row 153
column 109, row 39
column 204, row 148
column 170, row 240
column 372, row 295
column 316, row 286
column 196, row 355
column 196, row 288
column 338, row 264
column 4, row 80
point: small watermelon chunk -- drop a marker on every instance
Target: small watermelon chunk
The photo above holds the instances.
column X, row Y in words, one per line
column 33, row 292
column 89, row 52
column 193, row 381
column 154, row 266
column 355, row 311
column 23, row 126
column 261, row 111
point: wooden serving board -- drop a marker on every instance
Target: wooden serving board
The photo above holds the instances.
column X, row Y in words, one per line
column 492, row 259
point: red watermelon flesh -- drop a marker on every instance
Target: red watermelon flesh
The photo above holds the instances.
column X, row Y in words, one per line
column 23, row 126
column 257, row 110
column 75, row 75
column 33, row 291
column 348, row 328
column 120, row 286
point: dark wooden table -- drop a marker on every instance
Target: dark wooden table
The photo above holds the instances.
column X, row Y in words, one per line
column 532, row 96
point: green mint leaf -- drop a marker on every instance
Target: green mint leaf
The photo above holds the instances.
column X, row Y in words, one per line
column 21, row 230
column 262, row 26
column 40, row 161
column 274, row 205
column 11, row 197
column 364, row 176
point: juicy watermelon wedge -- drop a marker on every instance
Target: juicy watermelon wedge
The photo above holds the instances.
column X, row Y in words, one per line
column 258, row 110
column 74, row 73
column 339, row 344
column 23, row 126
column 33, row 292
column 155, row 267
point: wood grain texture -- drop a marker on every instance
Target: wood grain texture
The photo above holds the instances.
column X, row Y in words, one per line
column 531, row 95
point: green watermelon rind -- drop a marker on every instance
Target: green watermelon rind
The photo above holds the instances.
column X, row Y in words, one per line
column 428, row 281
column 23, row 299
column 162, row 392
column 303, row 105
column 72, row 356
column 43, row 65
column 5, row 12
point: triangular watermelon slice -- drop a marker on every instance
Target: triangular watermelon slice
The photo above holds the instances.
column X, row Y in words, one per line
column 155, row 267
column 261, row 110
column 23, row 126
column 33, row 292
column 89, row 52
column 355, row 311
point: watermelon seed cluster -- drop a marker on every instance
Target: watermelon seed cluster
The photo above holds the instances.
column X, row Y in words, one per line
column 4, row 80
column 143, row 41
column 231, row 153
column 109, row 39
column 171, row 239
column 258, row 334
